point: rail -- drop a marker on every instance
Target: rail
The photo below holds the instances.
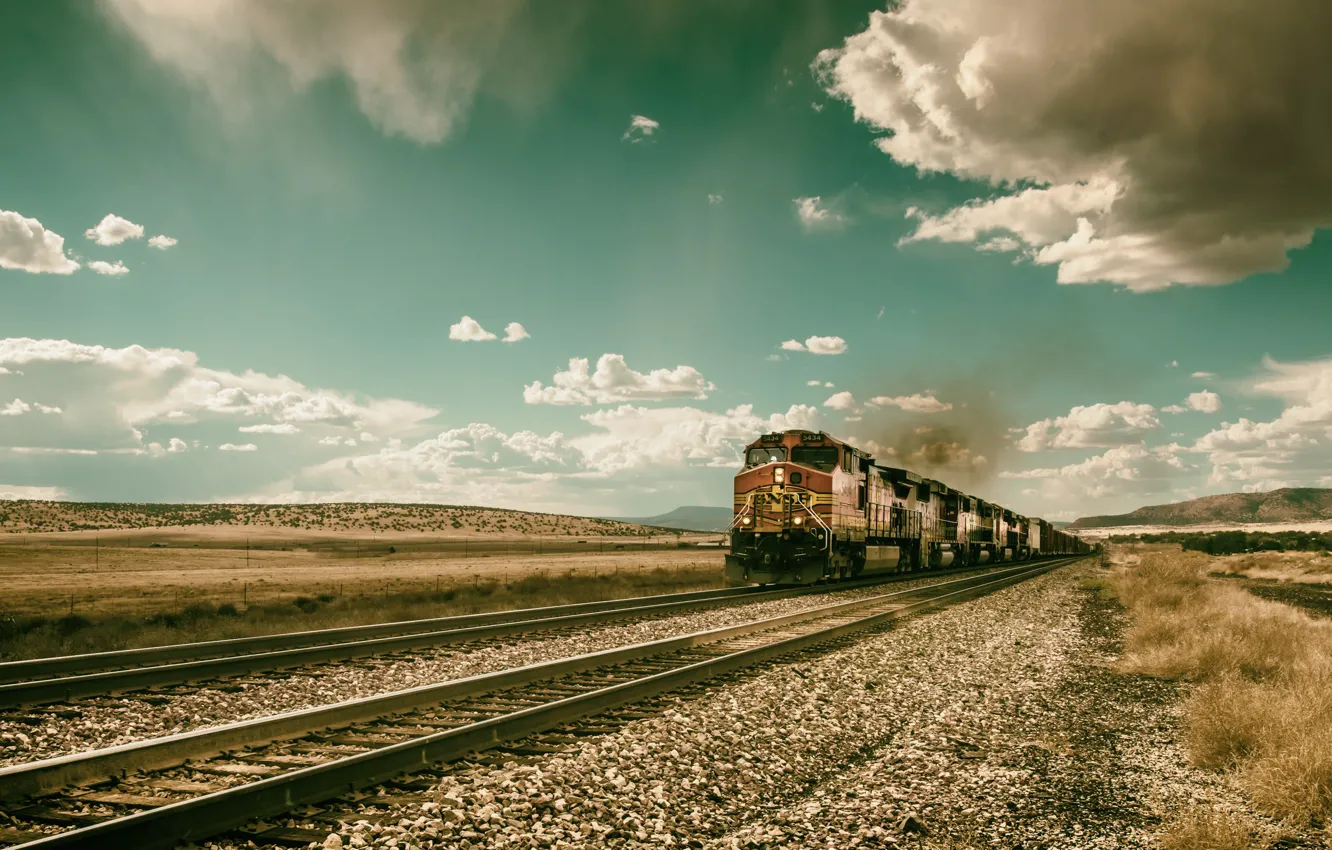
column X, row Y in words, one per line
column 107, row 673
column 542, row 697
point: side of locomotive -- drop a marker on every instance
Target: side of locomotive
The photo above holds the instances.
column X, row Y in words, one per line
column 809, row 507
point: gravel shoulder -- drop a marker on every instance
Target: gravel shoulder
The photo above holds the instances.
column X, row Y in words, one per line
column 996, row 723
column 111, row 721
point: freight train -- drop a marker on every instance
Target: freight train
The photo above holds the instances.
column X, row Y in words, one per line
column 810, row 507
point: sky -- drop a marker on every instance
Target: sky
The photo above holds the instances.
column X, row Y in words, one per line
column 571, row 257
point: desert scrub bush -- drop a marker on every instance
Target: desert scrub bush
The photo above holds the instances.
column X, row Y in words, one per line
column 1263, row 704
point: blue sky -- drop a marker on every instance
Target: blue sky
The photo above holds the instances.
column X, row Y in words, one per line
column 1075, row 292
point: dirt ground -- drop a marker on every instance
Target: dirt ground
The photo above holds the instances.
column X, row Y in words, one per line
column 123, row 572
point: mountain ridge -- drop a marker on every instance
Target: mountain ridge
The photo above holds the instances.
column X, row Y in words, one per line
column 686, row 518
column 1288, row 504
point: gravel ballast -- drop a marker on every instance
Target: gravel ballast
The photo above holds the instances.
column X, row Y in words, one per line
column 993, row 723
column 120, row 720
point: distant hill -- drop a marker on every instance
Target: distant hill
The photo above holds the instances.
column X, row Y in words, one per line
column 1290, row 504
column 27, row 516
column 687, row 518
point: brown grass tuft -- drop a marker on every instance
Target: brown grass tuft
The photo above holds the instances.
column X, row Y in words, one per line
column 1264, row 702
column 1209, row 829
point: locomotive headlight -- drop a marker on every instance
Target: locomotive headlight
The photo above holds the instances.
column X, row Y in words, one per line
column 746, row 520
column 799, row 520
column 779, row 475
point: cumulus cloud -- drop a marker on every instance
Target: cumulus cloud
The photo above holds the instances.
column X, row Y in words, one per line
column 915, row 403
column 640, row 127
column 1205, row 401
column 1291, row 447
column 38, row 494
column 1153, row 143
column 414, row 68
column 112, row 230
column 26, row 246
column 840, row 401
column 115, row 269
column 514, row 332
column 162, row 242
column 243, row 447
column 270, row 428
column 815, row 214
column 613, row 381
column 469, row 330
column 480, row 464
column 1204, row 375
column 826, row 345
column 715, row 199
column 110, row 395
column 18, row 407
column 1098, row 425
column 1122, row 471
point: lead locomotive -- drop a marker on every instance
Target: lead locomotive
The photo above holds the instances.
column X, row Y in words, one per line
column 809, row 507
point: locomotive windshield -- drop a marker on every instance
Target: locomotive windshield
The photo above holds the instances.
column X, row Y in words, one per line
column 822, row 458
column 765, row 454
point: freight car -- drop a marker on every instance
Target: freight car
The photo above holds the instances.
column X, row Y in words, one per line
column 810, row 507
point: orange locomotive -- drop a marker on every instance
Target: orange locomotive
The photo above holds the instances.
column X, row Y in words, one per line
column 809, row 507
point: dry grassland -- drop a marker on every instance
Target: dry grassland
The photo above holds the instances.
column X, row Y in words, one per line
column 1261, row 706
column 1298, row 567
column 51, row 577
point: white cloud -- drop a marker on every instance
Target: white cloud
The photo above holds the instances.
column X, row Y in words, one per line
column 469, row 330
column 1123, row 471
column 162, row 242
column 915, row 403
column 1173, row 364
column 827, row 345
column 38, row 494
column 18, row 407
column 335, row 440
column 367, row 437
column 813, row 383
column 1205, row 401
column 1098, row 425
column 26, row 246
column 243, row 447
column 640, row 127
column 1294, row 446
column 109, row 396
column 270, row 428
column 1204, row 375
column 715, row 199
column 114, row 269
column 1174, row 408
column 814, row 214
column 514, row 332
column 631, row 447
column 841, row 401
column 112, row 230
column 413, row 68
column 614, row 381
column 177, row 445
column 1118, row 176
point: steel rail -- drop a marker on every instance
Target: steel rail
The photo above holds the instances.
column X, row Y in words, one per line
column 458, row 630
column 212, row 813
column 31, row 669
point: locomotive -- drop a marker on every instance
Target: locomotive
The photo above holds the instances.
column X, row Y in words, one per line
column 810, row 507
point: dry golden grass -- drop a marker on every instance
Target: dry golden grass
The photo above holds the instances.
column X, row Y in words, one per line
column 1300, row 567
column 1209, row 829
column 1264, row 703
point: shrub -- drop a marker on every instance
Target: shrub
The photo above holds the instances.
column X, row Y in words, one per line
column 306, row 604
column 227, row 609
column 325, row 598
column 71, row 623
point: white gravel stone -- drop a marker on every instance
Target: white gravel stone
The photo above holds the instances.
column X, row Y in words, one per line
column 987, row 724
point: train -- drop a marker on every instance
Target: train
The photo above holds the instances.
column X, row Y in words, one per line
column 810, row 507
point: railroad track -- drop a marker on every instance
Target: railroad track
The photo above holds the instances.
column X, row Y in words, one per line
column 155, row 794
column 48, row 680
